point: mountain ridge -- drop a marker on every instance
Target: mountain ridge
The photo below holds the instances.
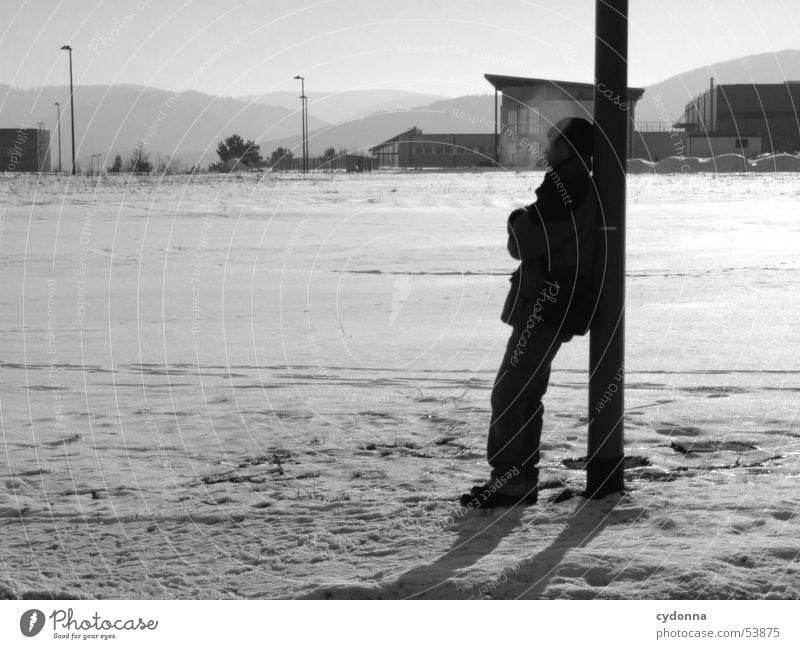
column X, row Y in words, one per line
column 114, row 119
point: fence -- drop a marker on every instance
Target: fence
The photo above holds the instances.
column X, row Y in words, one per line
column 652, row 127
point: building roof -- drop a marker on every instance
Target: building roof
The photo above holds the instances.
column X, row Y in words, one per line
column 412, row 131
column 753, row 84
column 500, row 81
column 408, row 135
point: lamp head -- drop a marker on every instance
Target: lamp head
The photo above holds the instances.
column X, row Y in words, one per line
column 66, row 47
column 297, row 76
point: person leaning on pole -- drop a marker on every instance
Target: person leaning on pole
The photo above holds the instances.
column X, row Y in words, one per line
column 550, row 300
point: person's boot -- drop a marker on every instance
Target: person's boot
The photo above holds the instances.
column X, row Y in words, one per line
column 521, row 490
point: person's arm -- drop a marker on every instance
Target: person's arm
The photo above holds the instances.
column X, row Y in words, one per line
column 512, row 247
column 530, row 238
column 539, row 228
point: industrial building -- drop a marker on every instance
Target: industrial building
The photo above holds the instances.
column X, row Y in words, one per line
column 24, row 149
column 747, row 118
column 531, row 106
column 415, row 149
column 655, row 144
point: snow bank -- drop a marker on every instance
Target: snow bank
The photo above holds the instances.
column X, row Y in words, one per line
column 778, row 162
column 725, row 163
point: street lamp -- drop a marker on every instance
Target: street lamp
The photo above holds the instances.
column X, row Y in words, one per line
column 58, row 113
column 303, row 110
column 71, row 104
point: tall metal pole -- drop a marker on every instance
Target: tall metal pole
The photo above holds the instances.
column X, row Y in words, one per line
column 496, row 158
column 71, row 105
column 302, row 119
column 305, row 130
column 604, row 471
column 58, row 122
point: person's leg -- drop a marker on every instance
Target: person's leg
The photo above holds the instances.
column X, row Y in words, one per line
column 516, row 425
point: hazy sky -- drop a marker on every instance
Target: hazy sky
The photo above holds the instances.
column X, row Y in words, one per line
column 438, row 46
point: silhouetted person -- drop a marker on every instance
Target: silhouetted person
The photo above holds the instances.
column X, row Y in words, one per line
column 553, row 238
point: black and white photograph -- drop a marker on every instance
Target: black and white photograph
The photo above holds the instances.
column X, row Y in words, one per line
column 422, row 300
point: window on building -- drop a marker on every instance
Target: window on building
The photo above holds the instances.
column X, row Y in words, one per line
column 522, row 120
column 533, row 118
column 428, row 149
column 419, row 149
column 439, row 149
column 740, row 143
column 512, row 119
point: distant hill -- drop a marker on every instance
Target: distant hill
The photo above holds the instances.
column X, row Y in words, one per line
column 336, row 107
column 358, row 135
column 188, row 125
column 677, row 91
column 114, row 119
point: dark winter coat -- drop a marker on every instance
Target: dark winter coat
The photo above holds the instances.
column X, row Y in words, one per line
column 555, row 235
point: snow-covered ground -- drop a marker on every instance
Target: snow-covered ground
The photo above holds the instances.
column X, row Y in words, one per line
column 238, row 387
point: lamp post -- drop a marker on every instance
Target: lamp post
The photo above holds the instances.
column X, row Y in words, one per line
column 304, row 131
column 605, row 465
column 71, row 105
column 58, row 122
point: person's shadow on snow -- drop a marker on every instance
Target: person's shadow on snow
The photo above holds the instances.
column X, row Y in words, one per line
column 479, row 534
column 453, row 574
column 529, row 578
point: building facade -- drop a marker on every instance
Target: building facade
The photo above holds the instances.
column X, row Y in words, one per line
column 745, row 114
column 530, row 107
column 24, row 149
column 657, row 145
column 415, row 149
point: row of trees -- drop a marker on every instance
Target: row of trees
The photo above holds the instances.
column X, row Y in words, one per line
column 233, row 149
column 236, row 149
column 139, row 163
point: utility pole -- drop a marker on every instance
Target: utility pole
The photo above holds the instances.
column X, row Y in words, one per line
column 604, row 470
column 71, row 105
column 303, row 122
column 58, row 122
column 496, row 155
column 305, row 130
